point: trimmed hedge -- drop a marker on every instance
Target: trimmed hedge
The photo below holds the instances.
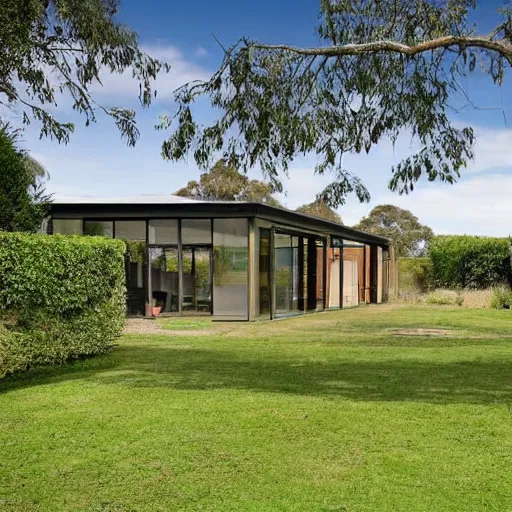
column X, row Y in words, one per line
column 414, row 275
column 62, row 297
column 470, row 262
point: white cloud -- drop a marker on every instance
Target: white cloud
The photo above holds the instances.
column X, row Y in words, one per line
column 124, row 86
column 479, row 206
column 493, row 150
column 201, row 52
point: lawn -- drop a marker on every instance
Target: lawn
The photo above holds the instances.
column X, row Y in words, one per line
column 330, row 412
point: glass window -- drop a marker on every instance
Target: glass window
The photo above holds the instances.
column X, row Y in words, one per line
column 163, row 231
column 286, row 273
column 133, row 232
column 230, row 242
column 163, row 278
column 131, row 229
column 264, row 272
column 196, row 231
column 197, row 279
column 67, row 226
column 99, row 228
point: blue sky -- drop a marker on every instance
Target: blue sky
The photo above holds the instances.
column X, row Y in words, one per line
column 96, row 161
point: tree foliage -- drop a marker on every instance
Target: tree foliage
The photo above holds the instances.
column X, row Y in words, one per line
column 23, row 203
column 225, row 183
column 55, row 48
column 383, row 67
column 410, row 237
column 319, row 208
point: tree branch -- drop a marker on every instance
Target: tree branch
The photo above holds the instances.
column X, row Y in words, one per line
column 503, row 46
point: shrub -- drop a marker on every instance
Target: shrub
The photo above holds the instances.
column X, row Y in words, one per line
column 470, row 262
column 414, row 275
column 62, row 298
column 445, row 298
column 501, row 297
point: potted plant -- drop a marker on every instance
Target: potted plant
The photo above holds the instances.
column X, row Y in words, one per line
column 155, row 309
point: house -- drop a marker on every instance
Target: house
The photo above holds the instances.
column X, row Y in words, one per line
column 233, row 260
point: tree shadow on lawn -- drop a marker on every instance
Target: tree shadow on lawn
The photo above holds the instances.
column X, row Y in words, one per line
column 471, row 382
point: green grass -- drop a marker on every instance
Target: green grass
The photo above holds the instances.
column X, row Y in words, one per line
column 178, row 324
column 329, row 412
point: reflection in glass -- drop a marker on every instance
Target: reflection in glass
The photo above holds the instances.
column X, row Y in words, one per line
column 99, row 228
column 196, row 231
column 230, row 254
column 286, row 273
column 133, row 233
column 67, row 226
column 164, row 278
column 163, row 231
column 131, row 229
column 197, row 279
column 264, row 272
column 319, row 275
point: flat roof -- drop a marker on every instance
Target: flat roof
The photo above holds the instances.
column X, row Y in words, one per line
column 149, row 206
column 140, row 199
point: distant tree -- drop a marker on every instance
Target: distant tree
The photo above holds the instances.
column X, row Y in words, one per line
column 225, row 183
column 51, row 48
column 319, row 208
column 23, row 203
column 410, row 238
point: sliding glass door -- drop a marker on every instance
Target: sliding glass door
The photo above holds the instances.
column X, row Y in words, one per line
column 197, row 279
column 164, row 278
column 287, row 273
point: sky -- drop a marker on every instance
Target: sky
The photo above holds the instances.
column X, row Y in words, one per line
column 97, row 162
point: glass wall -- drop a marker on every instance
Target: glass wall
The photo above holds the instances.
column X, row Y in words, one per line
column 133, row 233
column 320, row 254
column 264, row 273
column 163, row 231
column 164, row 278
column 99, row 228
column 197, row 279
column 196, row 231
column 230, row 275
column 67, row 226
column 286, row 273
column 131, row 230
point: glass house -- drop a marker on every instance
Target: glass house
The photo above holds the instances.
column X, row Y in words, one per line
column 233, row 260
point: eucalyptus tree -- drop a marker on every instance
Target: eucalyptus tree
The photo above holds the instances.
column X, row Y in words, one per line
column 319, row 208
column 410, row 237
column 56, row 49
column 382, row 67
column 224, row 182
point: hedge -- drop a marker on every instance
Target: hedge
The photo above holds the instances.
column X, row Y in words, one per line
column 470, row 262
column 61, row 297
column 414, row 275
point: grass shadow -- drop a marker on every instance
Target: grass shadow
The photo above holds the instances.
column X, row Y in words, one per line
column 182, row 368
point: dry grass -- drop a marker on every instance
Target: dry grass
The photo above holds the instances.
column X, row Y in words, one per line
column 477, row 299
column 472, row 299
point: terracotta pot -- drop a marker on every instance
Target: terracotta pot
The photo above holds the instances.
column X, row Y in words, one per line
column 156, row 310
